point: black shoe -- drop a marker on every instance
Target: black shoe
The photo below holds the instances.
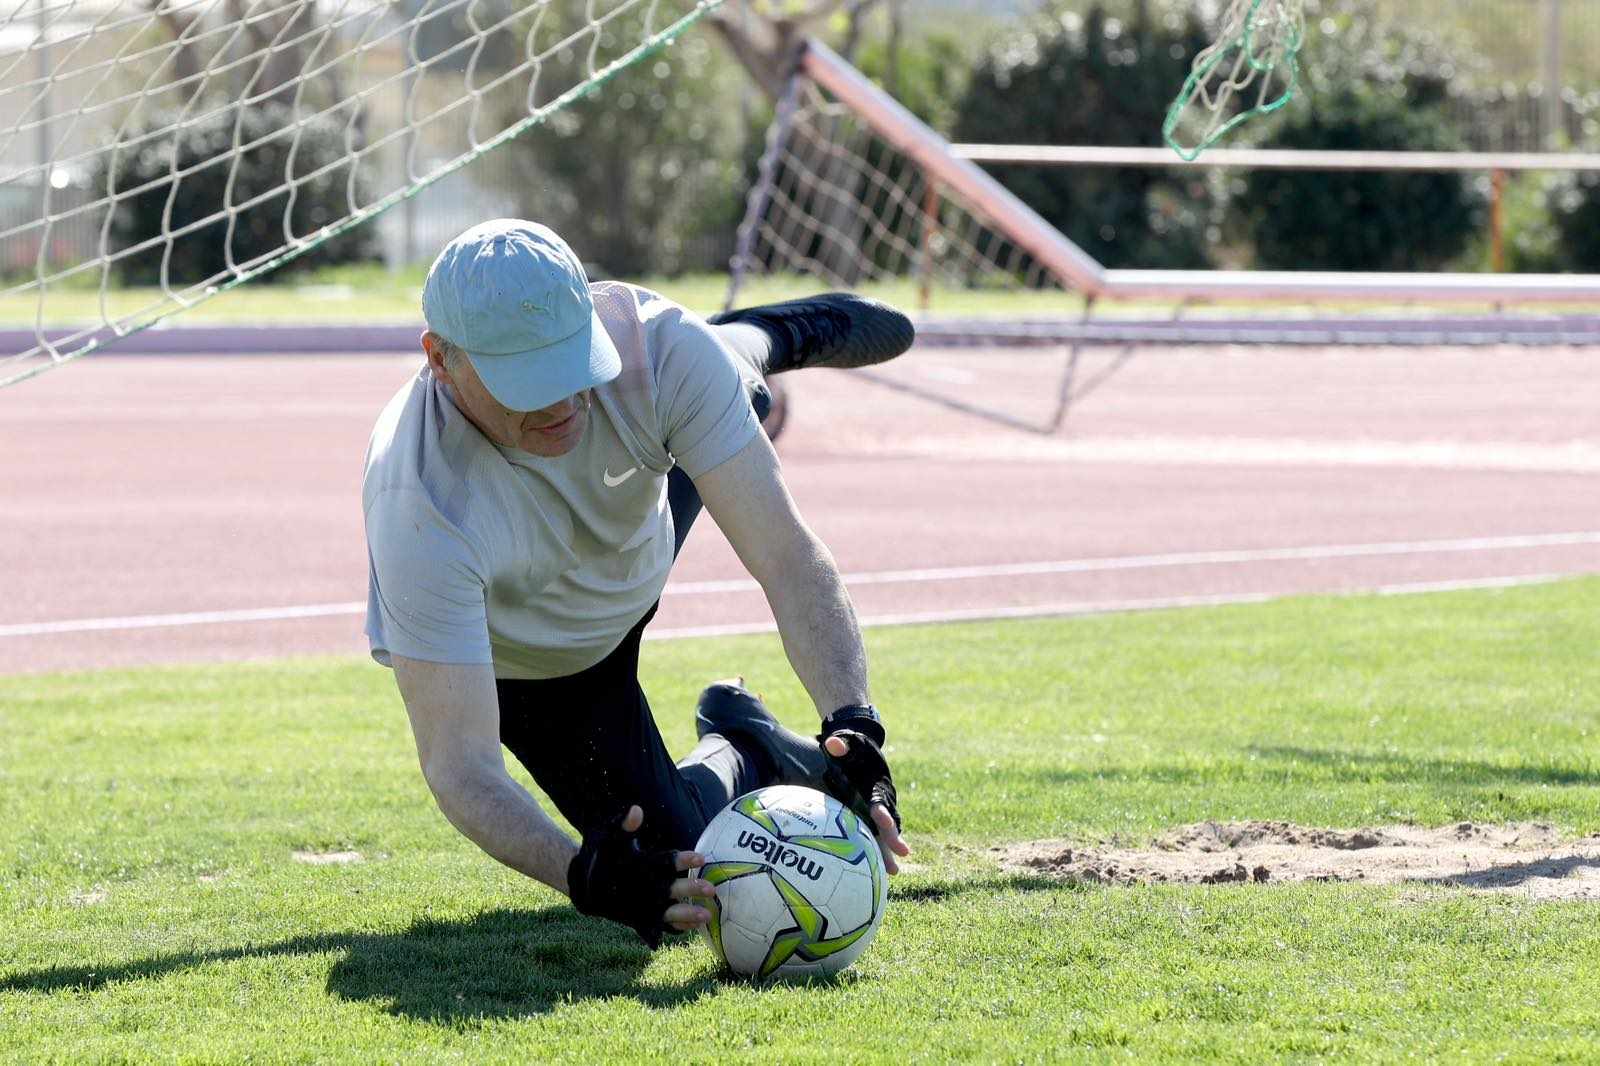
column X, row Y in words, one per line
column 835, row 329
column 730, row 710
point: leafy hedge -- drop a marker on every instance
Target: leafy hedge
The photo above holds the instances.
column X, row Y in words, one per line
column 1360, row 220
column 263, row 170
column 1096, row 80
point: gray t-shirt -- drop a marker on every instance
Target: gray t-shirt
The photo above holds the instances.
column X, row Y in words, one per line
column 540, row 566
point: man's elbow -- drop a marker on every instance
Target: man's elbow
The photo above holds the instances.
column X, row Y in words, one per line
column 458, row 785
column 795, row 561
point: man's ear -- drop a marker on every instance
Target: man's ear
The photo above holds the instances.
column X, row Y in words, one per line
column 431, row 348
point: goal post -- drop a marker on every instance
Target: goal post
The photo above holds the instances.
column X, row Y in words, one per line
column 241, row 135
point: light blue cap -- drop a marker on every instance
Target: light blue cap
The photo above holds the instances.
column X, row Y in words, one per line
column 514, row 297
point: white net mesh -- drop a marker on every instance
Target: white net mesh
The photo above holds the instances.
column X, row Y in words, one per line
column 183, row 147
column 842, row 204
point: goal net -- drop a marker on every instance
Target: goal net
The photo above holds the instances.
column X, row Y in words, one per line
column 155, row 153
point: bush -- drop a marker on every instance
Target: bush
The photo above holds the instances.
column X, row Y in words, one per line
column 259, row 229
column 1388, row 220
column 1574, row 204
column 1361, row 43
column 643, row 175
column 930, row 72
column 1527, row 227
column 1096, row 81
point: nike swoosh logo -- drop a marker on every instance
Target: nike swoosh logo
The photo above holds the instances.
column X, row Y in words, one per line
column 613, row 481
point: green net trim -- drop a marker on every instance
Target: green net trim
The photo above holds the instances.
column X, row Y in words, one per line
column 1257, row 51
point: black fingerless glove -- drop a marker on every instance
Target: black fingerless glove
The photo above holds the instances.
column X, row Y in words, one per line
column 860, row 777
column 613, row 877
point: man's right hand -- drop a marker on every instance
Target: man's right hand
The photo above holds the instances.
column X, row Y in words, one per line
column 861, row 780
column 613, row 877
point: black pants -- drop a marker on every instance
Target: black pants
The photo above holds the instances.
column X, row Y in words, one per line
column 591, row 742
column 592, row 745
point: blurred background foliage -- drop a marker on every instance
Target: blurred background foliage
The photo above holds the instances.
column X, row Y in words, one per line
column 168, row 223
column 1097, row 80
column 648, row 174
column 1379, row 74
column 1359, row 220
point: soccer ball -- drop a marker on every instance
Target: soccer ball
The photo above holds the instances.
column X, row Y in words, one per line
column 800, row 883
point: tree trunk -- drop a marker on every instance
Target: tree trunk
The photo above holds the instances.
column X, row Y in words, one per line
column 765, row 44
column 185, row 64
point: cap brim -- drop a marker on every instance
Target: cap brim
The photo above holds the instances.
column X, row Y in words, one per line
column 528, row 381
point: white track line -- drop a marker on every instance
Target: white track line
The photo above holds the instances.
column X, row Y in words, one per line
column 1090, row 607
column 1571, row 457
column 193, row 618
column 1151, row 562
column 880, row 577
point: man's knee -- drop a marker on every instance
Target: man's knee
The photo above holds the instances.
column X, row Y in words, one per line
column 760, row 399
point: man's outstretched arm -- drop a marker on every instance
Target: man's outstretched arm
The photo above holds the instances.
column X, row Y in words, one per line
column 751, row 505
column 455, row 718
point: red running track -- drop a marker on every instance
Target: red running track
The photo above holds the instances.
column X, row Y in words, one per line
column 136, row 491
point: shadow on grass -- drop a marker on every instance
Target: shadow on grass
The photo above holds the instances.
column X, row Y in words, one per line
column 499, row 964
column 939, row 891
column 1329, row 764
column 1348, row 765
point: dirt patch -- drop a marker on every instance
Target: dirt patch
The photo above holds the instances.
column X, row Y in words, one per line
column 1529, row 859
column 327, row 858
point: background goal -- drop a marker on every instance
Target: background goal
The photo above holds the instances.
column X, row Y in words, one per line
column 855, row 192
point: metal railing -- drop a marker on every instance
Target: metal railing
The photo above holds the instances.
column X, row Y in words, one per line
column 1496, row 164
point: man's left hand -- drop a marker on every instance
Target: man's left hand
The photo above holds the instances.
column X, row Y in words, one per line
column 861, row 764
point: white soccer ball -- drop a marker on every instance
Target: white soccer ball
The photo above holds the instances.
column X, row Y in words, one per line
column 800, row 883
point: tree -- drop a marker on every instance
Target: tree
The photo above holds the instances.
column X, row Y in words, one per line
column 1372, row 83
column 218, row 180
column 1095, row 80
column 644, row 174
column 280, row 36
column 763, row 35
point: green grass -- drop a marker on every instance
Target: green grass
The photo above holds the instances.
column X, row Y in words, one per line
column 366, row 294
column 152, row 910
column 370, row 294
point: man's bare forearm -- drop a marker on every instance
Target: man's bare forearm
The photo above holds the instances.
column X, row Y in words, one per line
column 819, row 629
column 499, row 816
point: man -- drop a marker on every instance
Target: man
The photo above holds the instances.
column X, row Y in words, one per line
column 525, row 496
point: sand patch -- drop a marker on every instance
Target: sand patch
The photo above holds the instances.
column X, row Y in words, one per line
column 327, row 858
column 1528, row 859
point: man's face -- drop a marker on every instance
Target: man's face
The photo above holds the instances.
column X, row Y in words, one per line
column 550, row 431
